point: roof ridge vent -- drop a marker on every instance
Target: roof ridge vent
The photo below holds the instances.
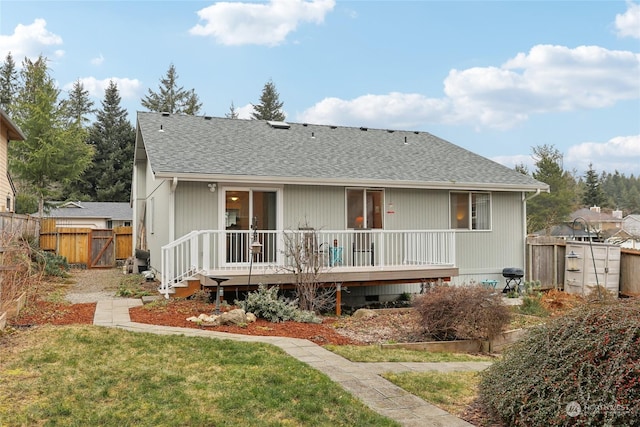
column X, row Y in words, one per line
column 278, row 125
column 165, row 114
column 364, row 129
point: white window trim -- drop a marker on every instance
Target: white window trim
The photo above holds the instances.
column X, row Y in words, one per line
column 470, row 228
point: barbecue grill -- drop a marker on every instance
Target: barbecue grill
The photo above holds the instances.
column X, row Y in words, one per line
column 514, row 279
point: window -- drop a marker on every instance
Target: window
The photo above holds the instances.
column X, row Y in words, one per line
column 470, row 211
column 365, row 208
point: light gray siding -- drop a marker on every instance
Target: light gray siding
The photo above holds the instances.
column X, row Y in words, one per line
column 157, row 218
column 417, row 209
column 196, row 208
column 319, row 207
column 483, row 254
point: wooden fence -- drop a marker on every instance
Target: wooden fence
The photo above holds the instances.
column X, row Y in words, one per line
column 546, row 263
column 85, row 246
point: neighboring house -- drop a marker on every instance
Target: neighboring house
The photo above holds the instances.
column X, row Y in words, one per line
column 8, row 132
column 95, row 215
column 586, row 223
column 629, row 236
column 375, row 209
column 604, row 224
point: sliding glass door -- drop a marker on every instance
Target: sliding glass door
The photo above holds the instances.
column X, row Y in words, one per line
column 246, row 209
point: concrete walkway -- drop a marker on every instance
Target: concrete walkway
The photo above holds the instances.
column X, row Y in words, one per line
column 360, row 379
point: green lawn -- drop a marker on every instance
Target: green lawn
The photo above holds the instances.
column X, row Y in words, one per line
column 87, row 375
column 375, row 353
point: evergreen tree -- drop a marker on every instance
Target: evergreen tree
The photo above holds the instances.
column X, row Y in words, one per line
column 552, row 208
column 172, row 98
column 233, row 113
column 54, row 151
column 593, row 195
column 270, row 107
column 8, row 83
column 78, row 106
column 113, row 139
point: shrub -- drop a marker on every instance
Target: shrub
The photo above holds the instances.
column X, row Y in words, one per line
column 462, row 312
column 267, row 304
column 51, row 264
column 532, row 305
column 579, row 369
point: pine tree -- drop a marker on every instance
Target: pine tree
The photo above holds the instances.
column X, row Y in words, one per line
column 113, row 138
column 172, row 98
column 552, row 208
column 54, row 151
column 593, row 195
column 78, row 106
column 233, row 113
column 8, row 83
column 270, row 107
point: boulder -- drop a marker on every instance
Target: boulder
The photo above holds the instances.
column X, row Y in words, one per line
column 251, row 318
column 233, row 317
column 364, row 313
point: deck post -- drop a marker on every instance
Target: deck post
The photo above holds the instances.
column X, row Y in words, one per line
column 338, row 299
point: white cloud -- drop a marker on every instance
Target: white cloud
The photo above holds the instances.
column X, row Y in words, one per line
column 98, row 60
column 30, row 41
column 245, row 112
column 547, row 79
column 127, row 88
column 395, row 110
column 513, row 161
column 256, row 23
column 620, row 153
column 628, row 23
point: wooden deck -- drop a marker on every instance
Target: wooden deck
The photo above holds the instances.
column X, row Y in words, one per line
column 347, row 276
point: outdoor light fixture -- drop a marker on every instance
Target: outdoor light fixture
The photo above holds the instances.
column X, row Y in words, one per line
column 572, row 261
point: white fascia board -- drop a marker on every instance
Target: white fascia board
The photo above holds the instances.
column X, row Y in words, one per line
column 278, row 180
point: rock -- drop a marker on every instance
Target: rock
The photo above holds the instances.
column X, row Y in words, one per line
column 251, row 318
column 364, row 313
column 233, row 317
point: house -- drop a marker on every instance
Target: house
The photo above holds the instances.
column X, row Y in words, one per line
column 94, row 215
column 586, row 224
column 380, row 212
column 8, row 132
column 629, row 235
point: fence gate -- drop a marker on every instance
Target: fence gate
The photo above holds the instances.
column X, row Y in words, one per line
column 102, row 248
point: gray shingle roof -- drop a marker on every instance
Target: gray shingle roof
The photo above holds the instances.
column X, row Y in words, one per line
column 182, row 145
column 107, row 210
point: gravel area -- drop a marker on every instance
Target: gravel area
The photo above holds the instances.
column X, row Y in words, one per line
column 93, row 285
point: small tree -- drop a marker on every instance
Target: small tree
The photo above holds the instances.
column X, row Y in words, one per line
column 55, row 151
column 8, row 83
column 172, row 98
column 270, row 107
column 233, row 112
column 593, row 195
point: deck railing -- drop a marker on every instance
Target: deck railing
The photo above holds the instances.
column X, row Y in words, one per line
column 207, row 250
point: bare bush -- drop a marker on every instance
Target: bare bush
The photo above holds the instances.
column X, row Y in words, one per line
column 462, row 312
column 305, row 264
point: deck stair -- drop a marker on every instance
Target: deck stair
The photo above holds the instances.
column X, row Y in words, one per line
column 186, row 288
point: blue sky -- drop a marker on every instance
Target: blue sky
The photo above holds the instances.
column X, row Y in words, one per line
column 495, row 77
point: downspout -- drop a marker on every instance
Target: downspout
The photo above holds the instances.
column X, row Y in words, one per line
column 525, row 199
column 172, row 209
